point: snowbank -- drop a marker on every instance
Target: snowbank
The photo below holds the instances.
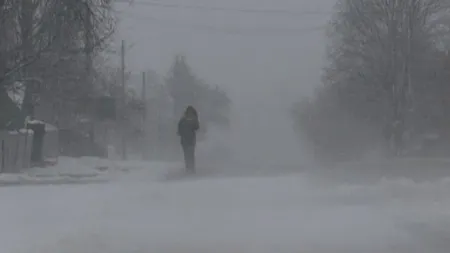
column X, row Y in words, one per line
column 82, row 170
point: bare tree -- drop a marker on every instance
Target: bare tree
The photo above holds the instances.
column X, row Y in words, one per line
column 377, row 54
column 386, row 78
column 36, row 27
column 187, row 89
column 54, row 42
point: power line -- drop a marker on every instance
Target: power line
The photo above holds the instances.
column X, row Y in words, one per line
column 231, row 30
column 223, row 9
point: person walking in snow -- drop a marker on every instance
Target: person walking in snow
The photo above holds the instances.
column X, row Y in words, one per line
column 187, row 130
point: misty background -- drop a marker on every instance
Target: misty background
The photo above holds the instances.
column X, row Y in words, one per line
column 91, row 93
column 264, row 60
column 283, row 84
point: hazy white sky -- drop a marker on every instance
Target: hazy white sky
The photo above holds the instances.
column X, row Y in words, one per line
column 277, row 53
column 264, row 60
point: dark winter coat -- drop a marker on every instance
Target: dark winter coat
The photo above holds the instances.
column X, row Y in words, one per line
column 187, row 128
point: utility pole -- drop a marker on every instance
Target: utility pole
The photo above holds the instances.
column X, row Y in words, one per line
column 407, row 123
column 123, row 98
column 88, row 89
column 88, row 46
column 144, row 114
column 144, row 94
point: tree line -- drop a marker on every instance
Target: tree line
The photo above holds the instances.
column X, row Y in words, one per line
column 385, row 86
column 57, row 51
column 50, row 47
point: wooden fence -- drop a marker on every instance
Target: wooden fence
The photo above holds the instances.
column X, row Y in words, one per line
column 15, row 150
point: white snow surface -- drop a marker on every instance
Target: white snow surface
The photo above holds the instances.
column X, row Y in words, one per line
column 139, row 212
column 82, row 170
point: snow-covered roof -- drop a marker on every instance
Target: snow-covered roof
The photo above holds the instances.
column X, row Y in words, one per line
column 48, row 127
column 35, row 122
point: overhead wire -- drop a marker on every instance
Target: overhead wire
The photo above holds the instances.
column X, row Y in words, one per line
column 230, row 30
column 283, row 12
column 224, row 30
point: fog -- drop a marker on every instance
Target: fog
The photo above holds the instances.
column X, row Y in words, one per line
column 265, row 61
column 266, row 55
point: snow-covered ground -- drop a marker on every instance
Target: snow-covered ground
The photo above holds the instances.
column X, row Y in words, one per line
column 140, row 212
column 83, row 170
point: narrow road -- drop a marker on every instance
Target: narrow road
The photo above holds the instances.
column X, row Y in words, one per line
column 267, row 213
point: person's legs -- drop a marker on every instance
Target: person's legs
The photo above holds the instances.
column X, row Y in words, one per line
column 192, row 154
column 190, row 160
column 186, row 156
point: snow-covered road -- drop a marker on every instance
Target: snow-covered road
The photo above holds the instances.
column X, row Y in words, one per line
column 276, row 214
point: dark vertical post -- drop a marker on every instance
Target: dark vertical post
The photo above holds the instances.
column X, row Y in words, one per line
column 124, row 123
column 144, row 115
column 3, row 157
